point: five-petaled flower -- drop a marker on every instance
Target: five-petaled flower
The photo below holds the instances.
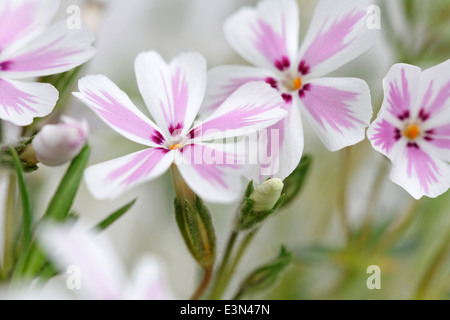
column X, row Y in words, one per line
column 338, row 109
column 31, row 47
column 173, row 94
column 413, row 128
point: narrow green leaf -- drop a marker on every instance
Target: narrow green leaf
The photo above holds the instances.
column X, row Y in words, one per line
column 58, row 209
column 60, row 204
column 114, row 216
column 27, row 216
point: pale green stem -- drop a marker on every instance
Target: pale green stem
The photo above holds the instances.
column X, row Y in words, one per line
column 242, row 248
column 398, row 228
column 9, row 225
column 206, row 279
column 374, row 198
column 430, row 272
column 342, row 196
column 217, row 289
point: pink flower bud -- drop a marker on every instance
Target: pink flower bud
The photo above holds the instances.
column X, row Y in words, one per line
column 56, row 144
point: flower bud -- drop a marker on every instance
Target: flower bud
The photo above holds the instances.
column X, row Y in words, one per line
column 56, row 144
column 195, row 223
column 260, row 203
column 266, row 195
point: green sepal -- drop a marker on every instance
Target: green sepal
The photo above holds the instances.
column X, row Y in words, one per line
column 265, row 276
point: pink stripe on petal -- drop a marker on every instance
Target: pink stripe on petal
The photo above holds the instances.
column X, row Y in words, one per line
column 16, row 22
column 399, row 98
column 439, row 102
column 331, row 41
column 423, row 166
column 231, row 86
column 271, row 44
column 180, row 96
column 385, row 135
column 210, row 164
column 441, row 143
column 14, row 99
column 238, row 118
column 331, row 106
column 122, row 118
column 140, row 166
column 442, row 131
column 176, row 100
column 47, row 57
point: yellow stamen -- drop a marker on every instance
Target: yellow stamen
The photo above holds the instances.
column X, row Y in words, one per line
column 412, row 131
column 176, row 146
column 297, row 83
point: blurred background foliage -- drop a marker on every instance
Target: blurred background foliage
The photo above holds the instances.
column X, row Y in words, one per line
column 329, row 258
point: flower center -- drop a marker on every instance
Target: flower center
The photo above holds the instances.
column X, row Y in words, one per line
column 412, row 131
column 297, row 83
column 176, row 146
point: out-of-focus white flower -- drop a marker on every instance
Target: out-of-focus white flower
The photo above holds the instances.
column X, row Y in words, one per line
column 267, row 194
column 58, row 143
column 94, row 271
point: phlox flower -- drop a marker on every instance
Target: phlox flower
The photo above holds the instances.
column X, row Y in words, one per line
column 32, row 47
column 413, row 128
column 338, row 109
column 94, row 270
column 173, row 94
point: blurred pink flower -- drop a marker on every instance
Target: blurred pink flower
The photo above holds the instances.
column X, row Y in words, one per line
column 31, row 47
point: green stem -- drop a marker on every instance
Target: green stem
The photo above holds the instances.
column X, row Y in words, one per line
column 9, row 226
column 427, row 278
column 398, row 228
column 370, row 212
column 207, row 276
column 342, row 196
column 27, row 216
column 242, row 248
column 217, row 289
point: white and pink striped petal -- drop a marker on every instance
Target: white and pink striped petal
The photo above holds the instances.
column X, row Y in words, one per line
column 173, row 92
column 384, row 133
column 419, row 173
column 58, row 49
column 338, row 34
column 20, row 102
column 281, row 146
column 434, row 96
column 116, row 109
column 112, row 178
column 266, row 36
column 252, row 107
column 401, row 87
column 224, row 80
column 212, row 171
column 21, row 20
column 338, row 109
